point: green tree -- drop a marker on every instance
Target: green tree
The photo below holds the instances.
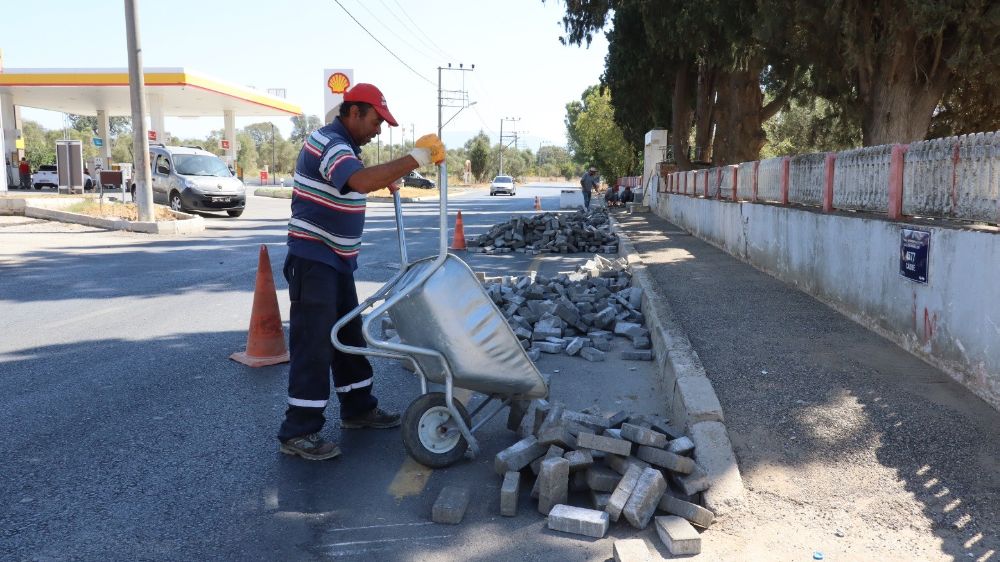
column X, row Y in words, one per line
column 809, row 126
column 88, row 124
column 478, row 149
column 596, row 138
column 894, row 64
column 302, row 126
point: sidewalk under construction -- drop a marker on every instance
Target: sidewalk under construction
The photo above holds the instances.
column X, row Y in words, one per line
column 848, row 445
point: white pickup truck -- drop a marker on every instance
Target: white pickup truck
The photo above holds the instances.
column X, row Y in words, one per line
column 48, row 176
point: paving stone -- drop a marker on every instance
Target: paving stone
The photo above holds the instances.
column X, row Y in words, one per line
column 547, row 347
column 518, row 455
column 621, row 464
column 622, row 492
column 666, row 459
column 553, row 484
column 623, row 328
column 578, row 481
column 578, row 460
column 645, row 497
column 613, row 433
column 601, row 478
column 681, row 446
column 599, row 499
column 574, row 346
column 554, row 451
column 696, row 481
column 616, row 419
column 694, row 513
column 450, row 505
column 579, row 521
column 641, row 342
column 592, row 354
column 534, row 355
column 518, row 409
column 678, row 535
column 630, row 550
column 602, row 345
column 557, row 435
column 643, row 436
column 509, row 492
column 592, row 421
column 602, row 443
column 667, row 428
column 635, row 355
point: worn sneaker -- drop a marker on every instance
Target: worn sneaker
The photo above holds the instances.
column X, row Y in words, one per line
column 376, row 418
column 311, row 447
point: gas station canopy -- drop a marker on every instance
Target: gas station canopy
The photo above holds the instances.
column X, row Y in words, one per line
column 180, row 92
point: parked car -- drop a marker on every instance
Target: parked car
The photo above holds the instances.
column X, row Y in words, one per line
column 414, row 179
column 48, row 176
column 503, row 184
column 192, row 179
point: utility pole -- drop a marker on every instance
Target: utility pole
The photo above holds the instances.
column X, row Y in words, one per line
column 451, row 98
column 137, row 96
column 273, row 171
column 507, row 136
column 413, row 134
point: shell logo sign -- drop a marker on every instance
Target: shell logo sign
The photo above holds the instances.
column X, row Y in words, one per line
column 338, row 83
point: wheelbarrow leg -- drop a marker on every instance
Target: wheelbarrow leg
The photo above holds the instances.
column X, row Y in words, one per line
column 456, row 417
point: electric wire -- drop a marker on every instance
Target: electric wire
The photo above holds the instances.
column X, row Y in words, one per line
column 405, row 27
column 401, row 61
column 421, row 31
column 397, row 35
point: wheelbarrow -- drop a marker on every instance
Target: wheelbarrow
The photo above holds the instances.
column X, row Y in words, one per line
column 452, row 334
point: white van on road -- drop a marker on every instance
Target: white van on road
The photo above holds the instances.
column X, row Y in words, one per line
column 192, row 179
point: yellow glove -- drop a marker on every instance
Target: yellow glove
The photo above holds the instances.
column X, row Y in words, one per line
column 429, row 148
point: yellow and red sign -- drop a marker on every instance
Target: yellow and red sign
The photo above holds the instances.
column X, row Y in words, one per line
column 338, row 83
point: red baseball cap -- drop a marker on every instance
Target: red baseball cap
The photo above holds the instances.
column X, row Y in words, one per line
column 367, row 93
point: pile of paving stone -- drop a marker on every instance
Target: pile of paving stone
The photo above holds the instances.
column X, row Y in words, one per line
column 560, row 233
column 578, row 313
column 589, row 469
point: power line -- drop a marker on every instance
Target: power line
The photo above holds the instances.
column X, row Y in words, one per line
column 405, row 27
column 401, row 61
column 397, row 35
column 447, row 55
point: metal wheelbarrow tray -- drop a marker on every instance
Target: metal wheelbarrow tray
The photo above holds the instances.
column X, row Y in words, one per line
column 453, row 334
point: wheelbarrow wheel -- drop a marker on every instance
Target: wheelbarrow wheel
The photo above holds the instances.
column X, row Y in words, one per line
column 430, row 434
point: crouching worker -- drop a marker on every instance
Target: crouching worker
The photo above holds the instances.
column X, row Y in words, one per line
column 324, row 237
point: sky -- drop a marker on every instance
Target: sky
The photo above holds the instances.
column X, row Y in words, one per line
column 521, row 69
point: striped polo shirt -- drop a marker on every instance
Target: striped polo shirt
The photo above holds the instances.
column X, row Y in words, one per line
column 327, row 216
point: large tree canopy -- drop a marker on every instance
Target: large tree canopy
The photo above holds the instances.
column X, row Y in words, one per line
column 716, row 70
column 595, row 138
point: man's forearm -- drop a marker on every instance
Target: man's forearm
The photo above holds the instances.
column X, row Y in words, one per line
column 374, row 178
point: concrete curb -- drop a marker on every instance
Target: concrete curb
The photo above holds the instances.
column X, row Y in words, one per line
column 185, row 223
column 692, row 399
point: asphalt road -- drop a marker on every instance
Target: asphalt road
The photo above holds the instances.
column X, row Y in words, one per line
column 129, row 435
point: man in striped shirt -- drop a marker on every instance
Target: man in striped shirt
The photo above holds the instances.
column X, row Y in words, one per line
column 324, row 238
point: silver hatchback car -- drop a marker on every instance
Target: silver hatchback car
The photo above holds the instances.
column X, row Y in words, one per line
column 192, row 179
column 503, row 184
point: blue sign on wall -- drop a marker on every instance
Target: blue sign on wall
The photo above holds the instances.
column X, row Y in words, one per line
column 914, row 251
column 98, row 141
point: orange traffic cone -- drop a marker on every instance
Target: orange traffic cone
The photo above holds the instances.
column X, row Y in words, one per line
column 266, row 340
column 538, row 204
column 458, row 241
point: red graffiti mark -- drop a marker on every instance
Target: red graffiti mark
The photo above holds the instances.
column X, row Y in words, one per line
column 930, row 323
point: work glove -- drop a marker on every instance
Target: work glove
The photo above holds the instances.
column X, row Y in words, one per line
column 429, row 148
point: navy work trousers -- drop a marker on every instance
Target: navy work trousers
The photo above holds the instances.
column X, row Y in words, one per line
column 586, row 199
column 320, row 296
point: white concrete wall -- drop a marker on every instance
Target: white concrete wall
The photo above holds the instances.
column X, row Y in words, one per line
column 852, row 263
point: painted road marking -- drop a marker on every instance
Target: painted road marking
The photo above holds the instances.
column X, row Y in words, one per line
column 412, row 477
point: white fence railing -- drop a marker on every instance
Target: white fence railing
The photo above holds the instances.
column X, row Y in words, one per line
column 953, row 177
